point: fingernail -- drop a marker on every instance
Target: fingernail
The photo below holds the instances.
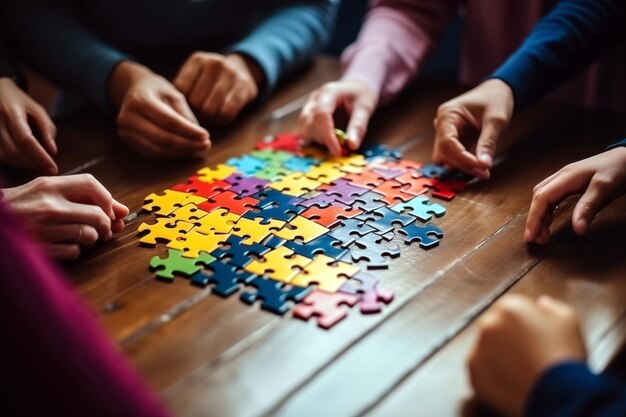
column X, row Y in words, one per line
column 486, row 159
column 582, row 225
column 527, row 236
column 109, row 235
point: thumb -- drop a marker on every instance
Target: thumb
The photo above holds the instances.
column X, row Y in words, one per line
column 357, row 126
column 595, row 198
column 491, row 129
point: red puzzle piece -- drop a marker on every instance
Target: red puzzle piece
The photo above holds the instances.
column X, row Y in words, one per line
column 282, row 142
column 416, row 184
column 371, row 301
column 447, row 189
column 393, row 192
column 204, row 189
column 331, row 215
column 326, row 307
column 230, row 202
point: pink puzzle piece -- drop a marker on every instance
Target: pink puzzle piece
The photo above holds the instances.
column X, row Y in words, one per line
column 326, row 307
column 371, row 303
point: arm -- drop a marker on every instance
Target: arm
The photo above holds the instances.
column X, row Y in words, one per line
column 288, row 39
column 570, row 389
column 565, row 41
column 396, row 39
column 50, row 37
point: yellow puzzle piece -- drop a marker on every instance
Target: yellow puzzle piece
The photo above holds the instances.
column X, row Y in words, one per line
column 216, row 221
column 295, row 184
column 170, row 201
column 281, row 264
column 301, row 227
column 193, row 242
column 256, row 231
column 165, row 229
column 328, row 273
column 220, row 172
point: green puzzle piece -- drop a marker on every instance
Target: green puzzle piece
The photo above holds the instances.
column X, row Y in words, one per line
column 274, row 158
column 176, row 263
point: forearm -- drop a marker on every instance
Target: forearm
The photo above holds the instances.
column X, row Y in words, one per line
column 60, row 47
column 288, row 39
column 395, row 41
column 565, row 41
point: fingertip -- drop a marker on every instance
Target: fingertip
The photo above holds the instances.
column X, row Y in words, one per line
column 581, row 226
column 485, row 159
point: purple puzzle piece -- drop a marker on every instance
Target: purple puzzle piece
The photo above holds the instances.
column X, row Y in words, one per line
column 322, row 200
column 246, row 186
column 372, row 295
column 345, row 191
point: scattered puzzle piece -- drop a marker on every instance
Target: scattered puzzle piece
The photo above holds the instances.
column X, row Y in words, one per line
column 420, row 208
column 174, row 263
column 275, row 296
column 422, row 234
column 371, row 249
column 326, row 307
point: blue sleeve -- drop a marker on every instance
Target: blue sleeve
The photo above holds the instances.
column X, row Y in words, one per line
column 617, row 145
column 50, row 38
column 570, row 389
column 570, row 37
column 289, row 38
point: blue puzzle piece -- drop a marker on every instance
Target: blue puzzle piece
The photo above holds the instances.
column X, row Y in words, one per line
column 300, row 163
column 432, row 171
column 378, row 150
column 246, row 164
column 420, row 208
column 283, row 213
column 383, row 219
column 238, row 254
column 422, row 234
column 271, row 197
column 225, row 277
column 323, row 245
column 349, row 230
column 369, row 201
column 273, row 295
column 273, row 241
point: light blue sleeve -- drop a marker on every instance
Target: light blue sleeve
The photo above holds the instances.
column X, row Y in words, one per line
column 289, row 38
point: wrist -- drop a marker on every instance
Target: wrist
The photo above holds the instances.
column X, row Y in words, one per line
column 125, row 74
column 251, row 65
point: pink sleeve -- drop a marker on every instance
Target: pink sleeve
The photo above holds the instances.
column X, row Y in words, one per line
column 395, row 39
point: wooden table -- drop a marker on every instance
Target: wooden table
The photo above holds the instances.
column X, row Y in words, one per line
column 220, row 357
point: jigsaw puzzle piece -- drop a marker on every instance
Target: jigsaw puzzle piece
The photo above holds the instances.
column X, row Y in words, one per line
column 432, row 171
column 446, row 190
column 325, row 173
column 283, row 213
column 235, row 252
column 415, row 184
column 245, row 186
column 218, row 173
column 289, row 142
column 393, row 192
column 360, row 283
column 372, row 249
column 345, row 191
column 328, row 273
column 349, row 164
column 189, row 213
column 271, row 197
column 300, row 163
column 257, row 229
column 246, row 164
column 422, row 234
column 273, row 242
column 295, row 184
column 165, row 229
column 323, row 245
column 201, row 188
column 272, row 157
column 175, row 263
column 372, row 296
column 326, row 307
column 281, row 264
column 224, row 277
column 170, row 200
column 275, row 296
column 349, row 230
column 301, row 227
column 229, row 201
column 331, row 215
column 193, row 243
column 369, row 201
column 380, row 151
column 217, row 221
column 385, row 220
column 321, row 200
column 367, row 178
column 272, row 172
column 420, row 208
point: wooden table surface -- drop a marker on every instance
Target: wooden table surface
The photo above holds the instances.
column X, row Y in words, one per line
column 209, row 356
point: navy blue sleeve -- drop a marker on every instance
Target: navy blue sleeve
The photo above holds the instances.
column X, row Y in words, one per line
column 570, row 37
column 570, row 389
column 50, row 38
column 289, row 38
column 617, row 145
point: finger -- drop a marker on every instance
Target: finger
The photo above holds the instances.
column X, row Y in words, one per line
column 120, row 210
column 82, row 234
column 450, row 151
column 546, row 198
column 117, row 225
column 232, row 106
column 86, row 189
column 164, row 116
column 26, row 144
column 63, row 251
column 597, row 196
column 490, row 132
column 203, row 86
column 357, row 126
column 324, row 123
column 187, row 77
column 181, row 107
column 162, row 138
column 46, row 127
column 217, row 96
column 143, row 146
column 90, row 215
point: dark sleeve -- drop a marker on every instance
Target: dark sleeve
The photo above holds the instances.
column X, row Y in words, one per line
column 570, row 37
column 49, row 36
column 617, row 145
column 9, row 68
column 289, row 38
column 570, row 389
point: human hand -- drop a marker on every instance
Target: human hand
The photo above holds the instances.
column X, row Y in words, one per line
column 518, row 340
column 486, row 108
column 67, row 214
column 316, row 119
column 154, row 119
column 218, row 87
column 18, row 144
column 600, row 179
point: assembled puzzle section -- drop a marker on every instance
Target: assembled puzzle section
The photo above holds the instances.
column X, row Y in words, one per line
column 296, row 229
